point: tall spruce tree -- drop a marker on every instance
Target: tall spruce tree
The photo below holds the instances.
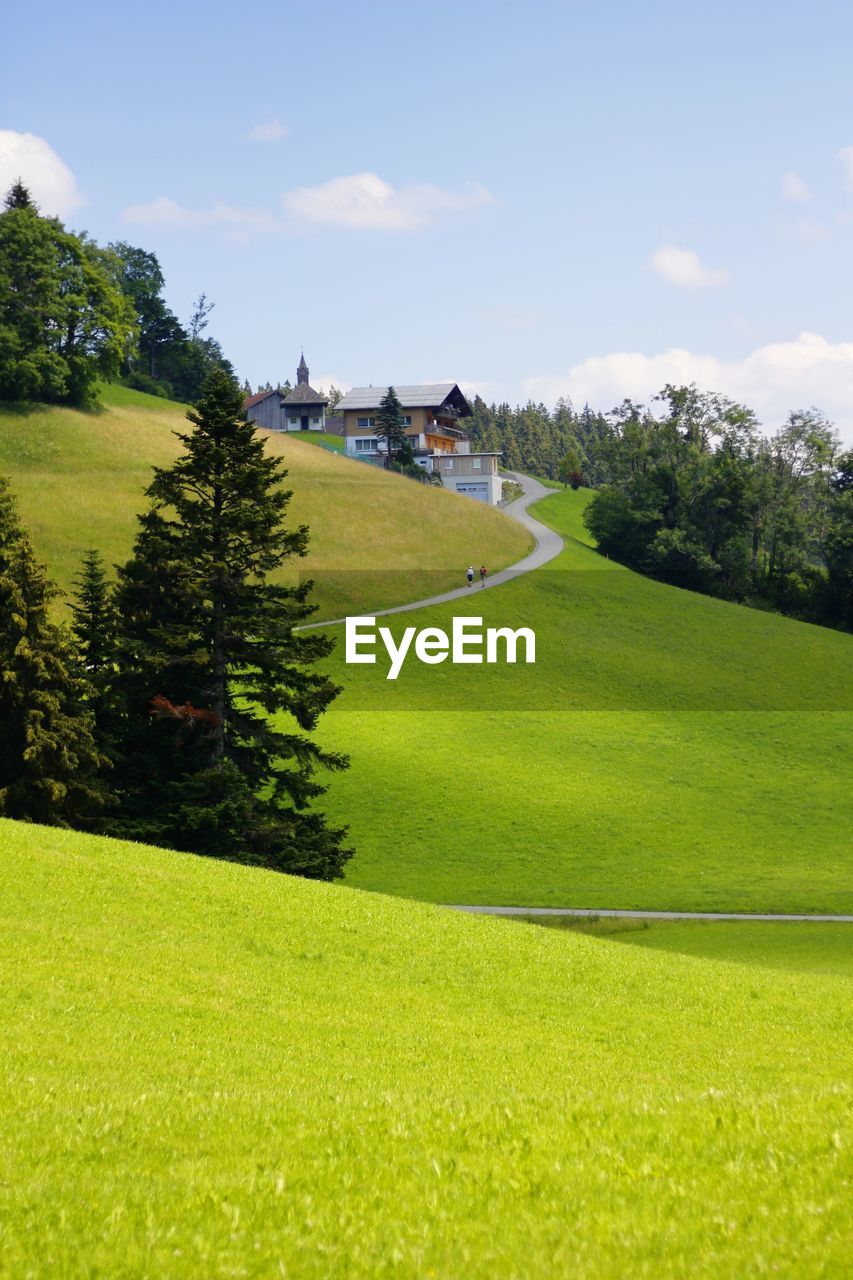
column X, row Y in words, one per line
column 49, row 763
column 390, row 427
column 209, row 655
column 94, row 628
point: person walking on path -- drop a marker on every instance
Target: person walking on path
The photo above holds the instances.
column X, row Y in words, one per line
column 470, row 575
column 482, row 575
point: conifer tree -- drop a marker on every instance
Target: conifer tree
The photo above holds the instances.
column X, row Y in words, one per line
column 209, row 655
column 94, row 628
column 18, row 197
column 389, row 426
column 49, row 762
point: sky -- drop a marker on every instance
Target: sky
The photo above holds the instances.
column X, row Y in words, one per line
column 533, row 199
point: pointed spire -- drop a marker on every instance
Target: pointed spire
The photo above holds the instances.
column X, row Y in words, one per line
column 302, row 372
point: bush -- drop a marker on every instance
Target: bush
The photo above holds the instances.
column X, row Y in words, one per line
column 139, row 381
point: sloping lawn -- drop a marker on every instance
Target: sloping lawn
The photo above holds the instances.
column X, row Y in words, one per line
column 214, row 1071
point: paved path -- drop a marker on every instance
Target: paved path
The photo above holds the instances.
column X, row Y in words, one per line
column 587, row 913
column 548, row 545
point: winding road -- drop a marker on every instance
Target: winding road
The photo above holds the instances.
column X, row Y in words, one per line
column 548, row 545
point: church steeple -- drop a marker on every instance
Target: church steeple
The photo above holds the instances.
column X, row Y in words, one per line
column 302, row 372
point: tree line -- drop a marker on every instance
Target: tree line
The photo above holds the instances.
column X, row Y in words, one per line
column 691, row 491
column 72, row 311
column 178, row 707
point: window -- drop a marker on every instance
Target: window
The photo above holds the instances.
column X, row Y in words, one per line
column 476, row 463
column 295, row 421
column 364, row 423
column 448, row 464
column 365, row 446
column 407, row 420
column 315, row 419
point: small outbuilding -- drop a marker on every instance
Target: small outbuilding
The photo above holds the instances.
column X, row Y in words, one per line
column 301, row 409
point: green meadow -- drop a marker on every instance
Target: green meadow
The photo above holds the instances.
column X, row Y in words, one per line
column 666, row 750
column 376, row 538
column 210, row 1070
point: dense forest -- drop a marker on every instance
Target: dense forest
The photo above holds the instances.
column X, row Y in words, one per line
column 72, row 311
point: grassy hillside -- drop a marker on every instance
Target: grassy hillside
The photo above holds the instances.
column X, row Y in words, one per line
column 210, row 1070
column 376, row 538
column 666, row 750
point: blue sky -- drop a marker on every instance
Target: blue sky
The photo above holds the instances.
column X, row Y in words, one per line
column 535, row 200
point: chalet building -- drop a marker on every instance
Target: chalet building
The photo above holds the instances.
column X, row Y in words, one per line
column 432, row 413
column 302, row 409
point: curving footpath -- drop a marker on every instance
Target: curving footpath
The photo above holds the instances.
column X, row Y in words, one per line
column 548, row 545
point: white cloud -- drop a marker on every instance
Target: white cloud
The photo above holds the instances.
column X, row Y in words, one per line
column 682, row 267
column 772, row 380
column 364, row 201
column 267, row 131
column 324, row 381
column 845, row 155
column 164, row 212
column 793, row 188
column 50, row 181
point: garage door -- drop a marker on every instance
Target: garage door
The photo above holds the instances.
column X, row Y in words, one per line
column 480, row 491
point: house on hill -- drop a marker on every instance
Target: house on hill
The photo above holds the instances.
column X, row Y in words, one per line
column 433, row 414
column 301, row 409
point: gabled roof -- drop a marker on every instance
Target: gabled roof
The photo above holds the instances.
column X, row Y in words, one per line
column 425, row 395
column 258, row 397
column 303, row 394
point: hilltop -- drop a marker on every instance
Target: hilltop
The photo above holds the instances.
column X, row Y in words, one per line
column 376, row 538
column 212, row 1070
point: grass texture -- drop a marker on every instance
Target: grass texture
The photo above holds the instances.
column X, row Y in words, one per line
column 215, row 1071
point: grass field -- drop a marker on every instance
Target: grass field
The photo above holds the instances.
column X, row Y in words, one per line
column 667, row 750
column 326, row 440
column 376, row 538
column 802, row 948
column 215, row 1071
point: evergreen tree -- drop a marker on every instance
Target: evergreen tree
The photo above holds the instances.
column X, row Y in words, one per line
column 18, row 197
column 94, row 627
column 209, row 654
column 49, row 763
column 389, row 426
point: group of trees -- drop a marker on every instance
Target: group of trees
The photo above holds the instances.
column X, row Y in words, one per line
column 695, row 494
column 72, row 312
column 64, row 321
column 167, row 358
column 178, row 708
column 532, row 438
